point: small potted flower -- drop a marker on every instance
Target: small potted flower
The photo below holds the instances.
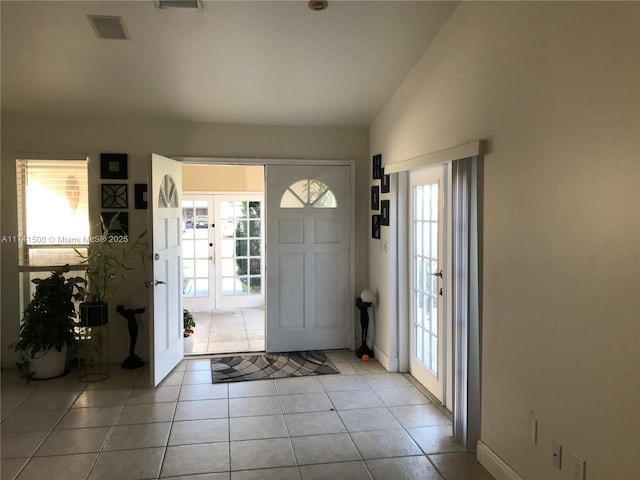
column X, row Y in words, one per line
column 189, row 323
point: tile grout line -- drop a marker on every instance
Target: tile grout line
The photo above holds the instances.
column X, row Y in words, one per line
column 113, row 426
column 166, row 447
column 335, row 409
column 33, row 454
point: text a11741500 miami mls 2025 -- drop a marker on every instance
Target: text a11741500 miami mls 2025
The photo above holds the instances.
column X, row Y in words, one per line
column 63, row 240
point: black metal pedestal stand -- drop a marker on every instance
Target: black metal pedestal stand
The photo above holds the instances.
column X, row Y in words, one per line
column 132, row 361
column 364, row 349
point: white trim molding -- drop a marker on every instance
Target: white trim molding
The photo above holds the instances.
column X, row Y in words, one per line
column 471, row 149
column 494, row 464
column 391, row 364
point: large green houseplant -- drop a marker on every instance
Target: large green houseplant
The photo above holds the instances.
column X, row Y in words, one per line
column 109, row 256
column 48, row 324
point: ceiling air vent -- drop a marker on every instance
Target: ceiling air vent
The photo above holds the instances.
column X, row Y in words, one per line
column 108, row 27
column 197, row 4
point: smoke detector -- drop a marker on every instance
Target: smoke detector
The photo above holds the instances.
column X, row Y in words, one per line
column 108, row 27
column 318, row 5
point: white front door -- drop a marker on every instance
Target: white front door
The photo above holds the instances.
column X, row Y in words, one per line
column 426, row 209
column 308, row 300
column 164, row 196
column 198, row 267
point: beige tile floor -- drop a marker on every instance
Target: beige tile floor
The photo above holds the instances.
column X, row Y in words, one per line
column 227, row 331
column 363, row 424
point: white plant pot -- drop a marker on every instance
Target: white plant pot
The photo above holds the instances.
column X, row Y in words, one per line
column 188, row 344
column 49, row 364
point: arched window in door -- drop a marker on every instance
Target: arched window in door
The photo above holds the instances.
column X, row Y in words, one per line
column 168, row 196
column 308, row 193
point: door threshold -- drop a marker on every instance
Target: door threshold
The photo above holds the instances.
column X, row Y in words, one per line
column 222, row 354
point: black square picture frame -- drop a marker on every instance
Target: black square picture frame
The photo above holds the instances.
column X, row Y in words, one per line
column 385, row 212
column 113, row 166
column 121, row 225
column 115, row 195
column 377, row 166
column 140, row 190
column 375, row 226
column 375, row 197
column 385, row 184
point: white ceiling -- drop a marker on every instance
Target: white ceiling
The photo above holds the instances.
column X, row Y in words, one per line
column 265, row 62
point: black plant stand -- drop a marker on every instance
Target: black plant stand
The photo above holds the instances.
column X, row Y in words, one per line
column 364, row 349
column 133, row 360
column 94, row 321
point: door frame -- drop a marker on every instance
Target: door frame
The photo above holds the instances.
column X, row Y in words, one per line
column 190, row 160
column 464, row 381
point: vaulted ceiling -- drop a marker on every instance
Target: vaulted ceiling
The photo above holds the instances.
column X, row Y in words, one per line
column 263, row 62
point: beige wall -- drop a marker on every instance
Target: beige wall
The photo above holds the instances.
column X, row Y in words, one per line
column 222, row 178
column 554, row 88
column 138, row 139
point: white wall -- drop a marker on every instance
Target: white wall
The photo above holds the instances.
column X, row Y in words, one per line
column 222, row 178
column 554, row 88
column 138, row 139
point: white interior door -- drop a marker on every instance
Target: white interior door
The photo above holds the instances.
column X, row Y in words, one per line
column 239, row 250
column 426, row 248
column 308, row 229
column 198, row 254
column 164, row 196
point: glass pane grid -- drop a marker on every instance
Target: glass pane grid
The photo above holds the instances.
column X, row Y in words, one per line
column 308, row 192
column 425, row 264
column 195, row 248
column 241, row 249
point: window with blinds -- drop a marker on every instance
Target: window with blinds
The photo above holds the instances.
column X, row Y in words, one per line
column 53, row 211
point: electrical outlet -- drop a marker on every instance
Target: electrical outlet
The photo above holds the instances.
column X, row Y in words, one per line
column 578, row 467
column 556, row 455
column 533, row 429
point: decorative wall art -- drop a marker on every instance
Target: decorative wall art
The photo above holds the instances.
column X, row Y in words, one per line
column 375, row 197
column 385, row 185
column 121, row 225
column 377, row 166
column 114, row 195
column 113, row 166
column 375, row 226
column 384, row 213
column 141, row 195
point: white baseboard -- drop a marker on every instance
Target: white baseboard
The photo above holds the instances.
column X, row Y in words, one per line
column 494, row 464
column 391, row 364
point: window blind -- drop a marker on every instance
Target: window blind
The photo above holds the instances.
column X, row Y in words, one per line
column 53, row 210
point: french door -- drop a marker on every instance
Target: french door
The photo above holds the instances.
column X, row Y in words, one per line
column 426, row 249
column 198, row 287
column 238, row 250
column 222, row 242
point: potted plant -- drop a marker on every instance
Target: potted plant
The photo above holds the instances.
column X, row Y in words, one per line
column 189, row 322
column 48, row 324
column 109, row 256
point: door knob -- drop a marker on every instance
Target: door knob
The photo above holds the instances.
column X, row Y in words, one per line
column 156, row 256
column 159, row 282
column 439, row 274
